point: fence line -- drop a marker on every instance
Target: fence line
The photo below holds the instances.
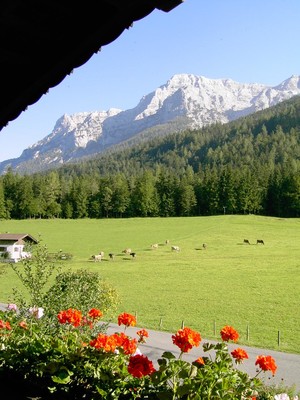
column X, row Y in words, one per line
column 160, row 325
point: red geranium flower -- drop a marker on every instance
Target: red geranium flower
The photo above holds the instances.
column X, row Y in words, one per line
column 229, row 333
column 239, row 355
column 186, row 338
column 110, row 343
column 105, row 342
column 126, row 319
column 23, row 325
column 200, row 361
column 5, row 325
column 128, row 345
column 70, row 316
column 142, row 334
column 266, row 363
column 95, row 313
column 140, row 366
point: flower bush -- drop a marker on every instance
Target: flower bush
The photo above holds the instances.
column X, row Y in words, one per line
column 75, row 358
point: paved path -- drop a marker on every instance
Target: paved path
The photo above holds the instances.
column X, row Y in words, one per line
column 288, row 371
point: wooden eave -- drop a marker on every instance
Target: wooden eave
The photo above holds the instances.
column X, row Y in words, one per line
column 43, row 41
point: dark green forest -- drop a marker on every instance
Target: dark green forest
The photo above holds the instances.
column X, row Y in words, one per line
column 250, row 165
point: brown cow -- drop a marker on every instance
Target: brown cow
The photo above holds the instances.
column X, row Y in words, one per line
column 246, row 241
column 260, row 241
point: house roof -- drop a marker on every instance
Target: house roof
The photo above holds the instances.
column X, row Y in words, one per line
column 43, row 41
column 17, row 236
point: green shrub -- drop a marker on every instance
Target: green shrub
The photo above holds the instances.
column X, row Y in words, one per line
column 81, row 289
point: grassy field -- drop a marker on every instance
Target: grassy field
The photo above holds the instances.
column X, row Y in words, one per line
column 255, row 288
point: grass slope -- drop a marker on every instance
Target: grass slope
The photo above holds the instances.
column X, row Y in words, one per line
column 254, row 288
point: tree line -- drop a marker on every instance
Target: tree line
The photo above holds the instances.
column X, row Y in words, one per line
column 247, row 166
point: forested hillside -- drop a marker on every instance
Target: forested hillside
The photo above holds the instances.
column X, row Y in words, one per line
column 251, row 165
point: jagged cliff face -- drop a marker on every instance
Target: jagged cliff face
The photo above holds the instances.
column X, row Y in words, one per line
column 196, row 100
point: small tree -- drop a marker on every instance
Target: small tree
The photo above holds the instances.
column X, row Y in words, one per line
column 35, row 273
column 81, row 290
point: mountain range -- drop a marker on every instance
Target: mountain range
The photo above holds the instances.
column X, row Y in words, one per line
column 185, row 102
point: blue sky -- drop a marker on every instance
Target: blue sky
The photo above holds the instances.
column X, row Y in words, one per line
column 247, row 41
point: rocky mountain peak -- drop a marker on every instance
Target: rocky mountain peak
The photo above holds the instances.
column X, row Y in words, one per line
column 185, row 101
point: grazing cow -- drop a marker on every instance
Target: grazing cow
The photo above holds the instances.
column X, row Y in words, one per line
column 204, row 246
column 246, row 241
column 97, row 257
column 167, row 241
column 133, row 255
column 175, row 248
column 111, row 256
column 154, row 246
column 126, row 251
column 260, row 241
column 101, row 253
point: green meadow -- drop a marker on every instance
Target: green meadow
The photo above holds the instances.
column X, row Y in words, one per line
column 253, row 287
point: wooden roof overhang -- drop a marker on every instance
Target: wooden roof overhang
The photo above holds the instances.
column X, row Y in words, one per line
column 43, row 41
column 16, row 237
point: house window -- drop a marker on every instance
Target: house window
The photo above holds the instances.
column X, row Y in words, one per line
column 16, row 249
column 2, row 248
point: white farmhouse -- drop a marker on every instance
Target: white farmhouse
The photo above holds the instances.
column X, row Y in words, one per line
column 12, row 246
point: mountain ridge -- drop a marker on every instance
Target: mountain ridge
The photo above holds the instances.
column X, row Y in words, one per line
column 191, row 100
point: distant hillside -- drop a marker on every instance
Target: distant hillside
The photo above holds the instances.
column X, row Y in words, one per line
column 213, row 144
column 251, row 165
